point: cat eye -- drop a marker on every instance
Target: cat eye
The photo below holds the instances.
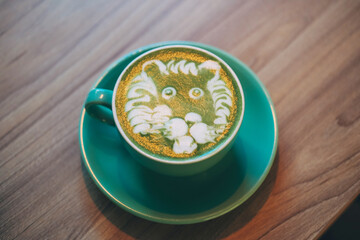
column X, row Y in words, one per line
column 168, row 92
column 196, row 93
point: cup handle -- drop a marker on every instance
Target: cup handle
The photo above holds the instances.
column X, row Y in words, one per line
column 99, row 105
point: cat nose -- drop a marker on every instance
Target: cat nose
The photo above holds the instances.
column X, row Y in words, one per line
column 192, row 117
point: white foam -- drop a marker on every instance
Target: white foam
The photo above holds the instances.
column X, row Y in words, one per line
column 184, row 144
column 193, row 117
column 202, row 133
column 175, row 128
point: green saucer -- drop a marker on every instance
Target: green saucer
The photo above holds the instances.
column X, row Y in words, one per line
column 183, row 200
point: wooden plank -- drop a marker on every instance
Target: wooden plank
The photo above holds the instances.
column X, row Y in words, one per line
column 306, row 52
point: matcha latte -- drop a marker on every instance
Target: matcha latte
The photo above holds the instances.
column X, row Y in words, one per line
column 178, row 102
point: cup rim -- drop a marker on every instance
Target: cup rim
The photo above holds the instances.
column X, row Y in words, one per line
column 182, row 161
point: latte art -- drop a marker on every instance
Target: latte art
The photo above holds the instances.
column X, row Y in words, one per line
column 177, row 103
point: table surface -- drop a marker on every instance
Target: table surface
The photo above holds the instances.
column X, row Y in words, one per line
column 307, row 53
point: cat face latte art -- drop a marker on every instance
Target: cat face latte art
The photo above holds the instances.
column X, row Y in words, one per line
column 178, row 102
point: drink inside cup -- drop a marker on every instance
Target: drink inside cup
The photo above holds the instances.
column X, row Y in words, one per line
column 178, row 103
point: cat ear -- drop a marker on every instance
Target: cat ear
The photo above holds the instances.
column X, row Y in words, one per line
column 183, row 67
column 158, row 63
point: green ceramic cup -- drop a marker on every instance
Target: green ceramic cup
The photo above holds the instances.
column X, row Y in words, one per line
column 178, row 109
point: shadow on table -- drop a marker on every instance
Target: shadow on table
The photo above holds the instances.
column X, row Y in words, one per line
column 217, row 228
column 346, row 227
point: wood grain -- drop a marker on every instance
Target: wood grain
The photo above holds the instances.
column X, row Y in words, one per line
column 307, row 53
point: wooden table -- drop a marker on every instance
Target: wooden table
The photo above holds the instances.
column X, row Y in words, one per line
column 307, row 53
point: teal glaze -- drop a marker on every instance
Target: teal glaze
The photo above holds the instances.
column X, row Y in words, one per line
column 176, row 169
column 183, row 200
